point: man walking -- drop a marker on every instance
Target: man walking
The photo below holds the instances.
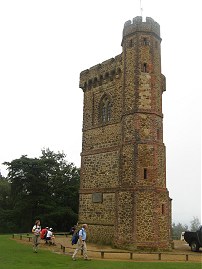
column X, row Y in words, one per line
column 81, row 244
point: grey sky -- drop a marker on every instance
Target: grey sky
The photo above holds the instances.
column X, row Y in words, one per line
column 45, row 44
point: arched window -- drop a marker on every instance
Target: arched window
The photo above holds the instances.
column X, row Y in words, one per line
column 105, row 110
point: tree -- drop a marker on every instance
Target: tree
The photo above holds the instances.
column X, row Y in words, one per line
column 4, row 193
column 44, row 188
column 63, row 184
column 6, row 213
column 178, row 229
column 27, row 183
column 195, row 223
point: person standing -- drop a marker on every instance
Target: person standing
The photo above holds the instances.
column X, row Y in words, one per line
column 81, row 244
column 36, row 235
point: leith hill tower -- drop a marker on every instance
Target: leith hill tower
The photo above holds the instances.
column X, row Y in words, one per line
column 123, row 194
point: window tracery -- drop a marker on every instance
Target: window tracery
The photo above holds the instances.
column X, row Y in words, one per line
column 105, row 110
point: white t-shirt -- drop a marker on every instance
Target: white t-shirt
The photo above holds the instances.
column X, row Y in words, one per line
column 49, row 234
column 36, row 229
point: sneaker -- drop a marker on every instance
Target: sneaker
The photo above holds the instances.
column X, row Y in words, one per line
column 73, row 259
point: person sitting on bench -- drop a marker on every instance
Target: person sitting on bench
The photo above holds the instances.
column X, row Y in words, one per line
column 44, row 234
column 50, row 237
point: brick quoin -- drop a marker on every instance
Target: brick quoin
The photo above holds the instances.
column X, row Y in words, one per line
column 123, row 194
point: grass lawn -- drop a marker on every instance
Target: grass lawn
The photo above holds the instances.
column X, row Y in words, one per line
column 14, row 255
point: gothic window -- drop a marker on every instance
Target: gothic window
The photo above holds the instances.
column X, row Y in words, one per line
column 105, row 110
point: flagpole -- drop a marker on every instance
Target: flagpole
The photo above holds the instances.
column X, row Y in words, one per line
column 141, row 8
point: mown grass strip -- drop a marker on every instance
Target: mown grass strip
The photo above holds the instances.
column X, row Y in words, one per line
column 14, row 255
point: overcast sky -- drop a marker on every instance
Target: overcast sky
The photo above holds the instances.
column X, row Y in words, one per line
column 45, row 44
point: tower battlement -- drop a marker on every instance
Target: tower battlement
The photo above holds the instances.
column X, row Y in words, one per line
column 95, row 75
column 137, row 25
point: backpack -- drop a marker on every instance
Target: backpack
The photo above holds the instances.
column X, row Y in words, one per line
column 72, row 230
column 75, row 238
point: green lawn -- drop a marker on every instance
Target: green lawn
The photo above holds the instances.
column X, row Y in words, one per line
column 19, row 256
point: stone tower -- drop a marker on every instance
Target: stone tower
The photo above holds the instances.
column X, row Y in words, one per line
column 123, row 194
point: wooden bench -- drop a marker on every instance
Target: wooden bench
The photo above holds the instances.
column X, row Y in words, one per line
column 23, row 235
column 66, row 234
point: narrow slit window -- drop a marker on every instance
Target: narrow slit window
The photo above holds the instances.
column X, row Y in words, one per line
column 144, row 67
column 156, row 44
column 145, row 173
column 130, row 43
column 145, row 42
column 158, row 134
column 163, row 209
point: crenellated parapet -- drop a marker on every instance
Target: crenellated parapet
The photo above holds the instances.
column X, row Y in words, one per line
column 137, row 25
column 101, row 73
